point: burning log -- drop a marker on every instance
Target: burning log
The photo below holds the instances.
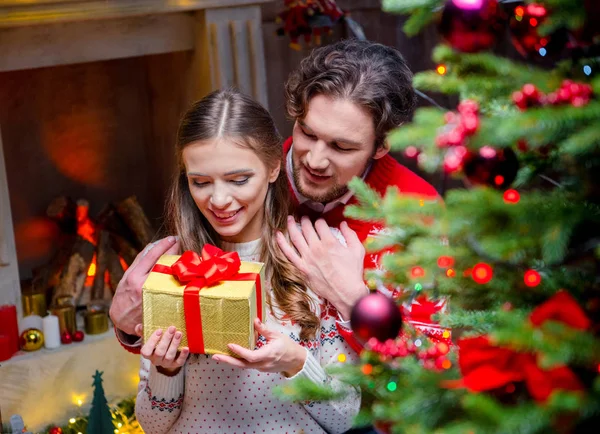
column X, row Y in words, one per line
column 93, row 253
column 86, row 228
column 115, row 268
column 97, row 292
column 47, row 276
column 123, row 248
column 132, row 213
column 75, row 271
column 63, row 211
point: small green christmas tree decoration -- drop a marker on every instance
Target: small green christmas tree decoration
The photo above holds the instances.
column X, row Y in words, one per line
column 100, row 420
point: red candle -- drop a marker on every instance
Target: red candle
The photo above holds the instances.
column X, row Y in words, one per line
column 9, row 326
column 5, row 348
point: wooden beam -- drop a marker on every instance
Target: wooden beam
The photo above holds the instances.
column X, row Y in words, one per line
column 32, row 12
column 69, row 43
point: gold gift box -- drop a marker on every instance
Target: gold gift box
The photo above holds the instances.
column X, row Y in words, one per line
column 227, row 308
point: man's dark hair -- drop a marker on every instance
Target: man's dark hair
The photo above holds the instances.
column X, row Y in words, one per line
column 372, row 75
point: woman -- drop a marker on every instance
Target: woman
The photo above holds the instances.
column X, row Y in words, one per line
column 230, row 191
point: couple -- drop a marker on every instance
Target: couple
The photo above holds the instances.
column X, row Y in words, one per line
column 234, row 188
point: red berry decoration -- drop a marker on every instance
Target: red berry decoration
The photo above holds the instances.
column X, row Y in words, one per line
column 375, row 316
column 524, row 25
column 66, row 338
column 528, row 96
column 492, row 167
column 56, row 430
column 471, row 25
column 453, row 160
column 78, row 336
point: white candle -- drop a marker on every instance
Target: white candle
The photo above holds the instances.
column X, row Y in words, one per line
column 51, row 332
column 30, row 322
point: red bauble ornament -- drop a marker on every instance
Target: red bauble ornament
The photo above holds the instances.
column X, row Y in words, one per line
column 56, row 430
column 532, row 278
column 375, row 316
column 482, row 273
column 511, row 196
column 524, row 25
column 66, row 338
column 78, row 336
column 471, row 25
column 493, row 167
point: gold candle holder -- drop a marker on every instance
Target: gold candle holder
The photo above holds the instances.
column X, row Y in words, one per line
column 66, row 318
column 96, row 322
column 34, row 304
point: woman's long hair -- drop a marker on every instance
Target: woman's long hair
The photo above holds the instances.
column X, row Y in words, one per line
column 230, row 114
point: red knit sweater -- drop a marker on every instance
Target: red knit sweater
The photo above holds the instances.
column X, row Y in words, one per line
column 384, row 173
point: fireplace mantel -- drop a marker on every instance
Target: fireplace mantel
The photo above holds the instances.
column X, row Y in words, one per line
column 222, row 41
column 23, row 13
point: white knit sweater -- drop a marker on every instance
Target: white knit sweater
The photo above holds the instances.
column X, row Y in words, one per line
column 211, row 397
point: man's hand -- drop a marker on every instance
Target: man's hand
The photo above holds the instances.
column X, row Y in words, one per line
column 280, row 354
column 334, row 271
column 126, row 308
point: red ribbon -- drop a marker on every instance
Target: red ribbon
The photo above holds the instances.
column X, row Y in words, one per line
column 212, row 266
column 485, row 366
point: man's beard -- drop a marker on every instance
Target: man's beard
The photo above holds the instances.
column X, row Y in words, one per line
column 326, row 197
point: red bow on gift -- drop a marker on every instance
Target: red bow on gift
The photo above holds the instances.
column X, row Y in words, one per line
column 211, row 266
column 486, row 367
column 198, row 271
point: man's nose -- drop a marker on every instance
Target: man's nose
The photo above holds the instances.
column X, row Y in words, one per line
column 317, row 158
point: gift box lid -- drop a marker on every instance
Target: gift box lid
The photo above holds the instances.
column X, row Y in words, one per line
column 230, row 289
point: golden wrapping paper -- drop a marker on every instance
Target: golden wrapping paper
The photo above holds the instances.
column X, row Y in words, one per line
column 96, row 322
column 227, row 309
column 34, row 304
column 66, row 318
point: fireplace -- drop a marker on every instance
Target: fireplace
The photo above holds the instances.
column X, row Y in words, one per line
column 90, row 96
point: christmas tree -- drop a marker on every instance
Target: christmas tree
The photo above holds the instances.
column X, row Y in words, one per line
column 100, row 420
column 515, row 253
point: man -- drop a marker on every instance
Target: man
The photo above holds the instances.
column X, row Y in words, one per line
column 345, row 98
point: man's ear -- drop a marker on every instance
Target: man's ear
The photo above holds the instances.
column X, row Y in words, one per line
column 274, row 173
column 382, row 150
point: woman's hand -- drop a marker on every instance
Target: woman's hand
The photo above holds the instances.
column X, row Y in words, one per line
column 161, row 350
column 280, row 354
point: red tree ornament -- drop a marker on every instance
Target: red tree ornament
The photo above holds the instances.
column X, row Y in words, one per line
column 532, row 278
column 524, row 25
column 375, row 316
column 482, row 273
column 511, row 196
column 78, row 336
column 66, row 338
column 492, row 167
column 55, row 430
column 471, row 25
